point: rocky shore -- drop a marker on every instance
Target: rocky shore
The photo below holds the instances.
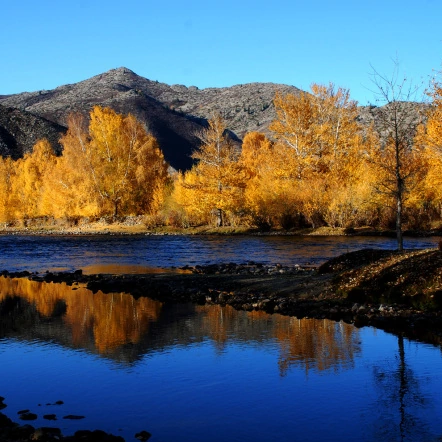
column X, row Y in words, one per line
column 14, row 432
column 401, row 293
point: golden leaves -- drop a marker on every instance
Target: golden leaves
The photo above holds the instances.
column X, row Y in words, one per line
column 110, row 166
column 213, row 188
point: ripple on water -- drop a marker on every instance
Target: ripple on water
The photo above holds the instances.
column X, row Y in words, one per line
column 50, row 252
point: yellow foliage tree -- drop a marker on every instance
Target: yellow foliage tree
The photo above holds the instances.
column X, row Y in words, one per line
column 113, row 167
column 214, row 186
column 29, row 184
column 269, row 187
column 396, row 158
column 323, row 149
column 429, row 140
column 7, row 178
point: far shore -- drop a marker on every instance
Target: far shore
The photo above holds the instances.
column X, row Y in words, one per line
column 138, row 228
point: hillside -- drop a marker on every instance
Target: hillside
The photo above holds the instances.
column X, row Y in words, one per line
column 20, row 130
column 173, row 113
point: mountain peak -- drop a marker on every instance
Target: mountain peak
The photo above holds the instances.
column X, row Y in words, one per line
column 121, row 70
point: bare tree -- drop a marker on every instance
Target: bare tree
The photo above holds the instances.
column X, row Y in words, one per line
column 395, row 120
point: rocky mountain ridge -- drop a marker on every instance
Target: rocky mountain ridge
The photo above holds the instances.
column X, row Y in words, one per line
column 20, row 130
column 173, row 113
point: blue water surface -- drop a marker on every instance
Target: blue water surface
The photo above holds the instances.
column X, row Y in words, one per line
column 200, row 392
column 41, row 253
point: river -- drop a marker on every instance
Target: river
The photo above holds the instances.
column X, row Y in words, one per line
column 121, row 254
column 200, row 373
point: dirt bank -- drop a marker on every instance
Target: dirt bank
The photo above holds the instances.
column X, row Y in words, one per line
column 137, row 226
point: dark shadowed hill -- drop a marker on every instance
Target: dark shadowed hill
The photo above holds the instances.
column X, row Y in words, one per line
column 20, row 130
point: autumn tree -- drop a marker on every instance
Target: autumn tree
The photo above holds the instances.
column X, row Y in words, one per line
column 28, row 186
column 429, row 139
column 256, row 160
column 325, row 141
column 319, row 126
column 215, row 184
column 270, row 195
column 70, row 191
column 114, row 167
column 396, row 157
column 7, row 178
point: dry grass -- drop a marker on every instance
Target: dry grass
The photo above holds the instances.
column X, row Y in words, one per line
column 412, row 278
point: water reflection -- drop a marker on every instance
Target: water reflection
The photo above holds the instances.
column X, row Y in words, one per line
column 317, row 344
column 400, row 396
column 199, row 373
column 308, row 343
column 118, row 326
column 73, row 315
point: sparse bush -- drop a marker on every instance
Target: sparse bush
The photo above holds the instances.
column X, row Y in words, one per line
column 263, row 224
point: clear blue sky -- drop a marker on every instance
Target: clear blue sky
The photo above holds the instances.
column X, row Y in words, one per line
column 48, row 43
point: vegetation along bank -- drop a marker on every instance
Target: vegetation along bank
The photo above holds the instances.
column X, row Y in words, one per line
column 317, row 165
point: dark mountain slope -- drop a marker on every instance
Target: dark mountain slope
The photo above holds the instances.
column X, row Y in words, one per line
column 20, row 130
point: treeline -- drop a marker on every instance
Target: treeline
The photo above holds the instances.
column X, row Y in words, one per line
column 319, row 167
column 110, row 166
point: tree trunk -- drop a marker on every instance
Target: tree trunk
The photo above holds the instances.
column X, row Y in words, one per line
column 115, row 210
column 219, row 217
column 399, row 195
column 400, row 240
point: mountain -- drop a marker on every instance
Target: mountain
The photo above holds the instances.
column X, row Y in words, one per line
column 174, row 114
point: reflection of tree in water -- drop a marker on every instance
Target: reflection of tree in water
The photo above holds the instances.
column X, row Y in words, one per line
column 316, row 344
column 224, row 323
column 114, row 324
column 110, row 320
column 217, row 321
column 400, row 401
column 309, row 343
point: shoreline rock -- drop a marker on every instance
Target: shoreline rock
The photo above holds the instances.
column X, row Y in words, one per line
column 11, row 431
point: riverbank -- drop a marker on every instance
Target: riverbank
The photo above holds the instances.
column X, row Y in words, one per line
column 401, row 293
column 136, row 226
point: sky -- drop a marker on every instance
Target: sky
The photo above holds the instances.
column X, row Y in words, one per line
column 46, row 43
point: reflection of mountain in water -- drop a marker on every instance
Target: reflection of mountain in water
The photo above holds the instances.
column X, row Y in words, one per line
column 124, row 329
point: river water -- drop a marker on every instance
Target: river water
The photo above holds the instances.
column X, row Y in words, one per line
column 199, row 373
column 104, row 253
